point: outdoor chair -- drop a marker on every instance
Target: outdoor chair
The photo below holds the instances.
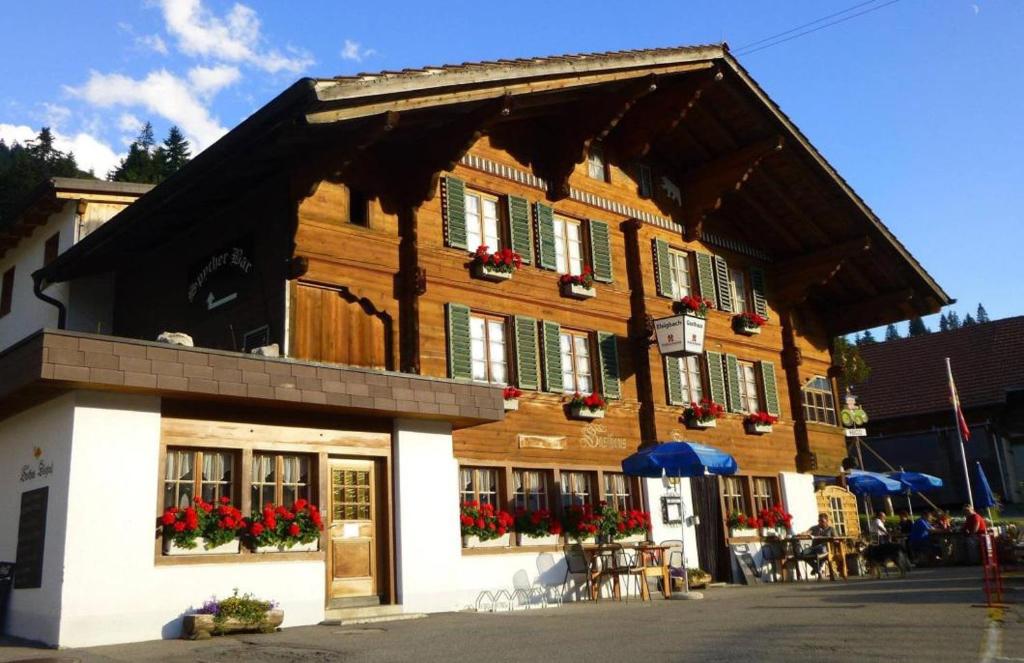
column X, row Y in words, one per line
column 773, row 561
column 576, row 564
column 675, row 559
column 526, row 594
column 818, row 557
column 547, row 578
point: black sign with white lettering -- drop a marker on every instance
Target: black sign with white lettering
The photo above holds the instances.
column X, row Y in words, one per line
column 216, row 281
column 28, row 568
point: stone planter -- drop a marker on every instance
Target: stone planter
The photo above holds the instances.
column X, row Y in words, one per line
column 741, row 326
column 489, row 273
column 585, row 413
column 201, row 627
column 511, row 404
column 700, row 425
column 547, row 540
column 757, row 429
column 475, row 542
column 229, row 548
column 576, row 291
column 312, row 546
column 738, row 532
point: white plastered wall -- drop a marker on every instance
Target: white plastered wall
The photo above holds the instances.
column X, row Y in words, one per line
column 662, row 531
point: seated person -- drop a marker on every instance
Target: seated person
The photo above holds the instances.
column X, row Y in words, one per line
column 974, row 524
column 942, row 522
column 877, row 528
column 905, row 523
column 822, row 530
column 920, row 537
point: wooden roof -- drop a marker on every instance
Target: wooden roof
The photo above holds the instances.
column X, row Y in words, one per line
column 746, row 170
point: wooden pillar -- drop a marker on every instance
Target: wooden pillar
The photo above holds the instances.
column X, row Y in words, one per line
column 412, row 284
column 640, row 333
column 806, row 461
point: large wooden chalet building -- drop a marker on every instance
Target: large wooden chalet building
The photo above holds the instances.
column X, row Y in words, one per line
column 341, row 220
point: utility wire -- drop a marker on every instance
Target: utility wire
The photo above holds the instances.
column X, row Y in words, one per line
column 774, row 41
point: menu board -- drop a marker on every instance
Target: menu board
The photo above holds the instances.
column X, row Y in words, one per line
column 28, row 570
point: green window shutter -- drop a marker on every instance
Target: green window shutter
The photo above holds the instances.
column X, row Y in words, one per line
column 608, row 350
column 552, row 357
column 526, row 352
column 716, row 376
column 545, row 218
column 662, row 267
column 757, row 288
column 771, row 390
column 732, row 382
column 722, row 279
column 674, row 381
column 706, row 276
column 460, row 364
column 519, row 227
column 601, row 251
column 454, row 202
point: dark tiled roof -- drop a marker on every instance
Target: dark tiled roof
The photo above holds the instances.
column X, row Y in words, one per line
column 908, row 376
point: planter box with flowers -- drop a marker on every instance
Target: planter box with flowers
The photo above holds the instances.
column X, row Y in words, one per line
column 578, row 286
column 759, row 423
column 497, row 266
column 232, row 615
column 511, row 397
column 693, row 305
column 282, row 529
column 537, row 528
column 580, row 523
column 748, row 324
column 704, row 415
column 586, row 407
column 632, row 526
column 202, row 529
column 483, row 526
column 767, row 523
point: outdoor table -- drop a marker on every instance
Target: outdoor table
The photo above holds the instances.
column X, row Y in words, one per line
column 653, row 558
column 837, row 550
column 952, row 546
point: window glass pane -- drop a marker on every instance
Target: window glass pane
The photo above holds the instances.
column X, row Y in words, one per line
column 474, row 236
column 561, row 264
column 491, row 224
column 739, row 290
column 576, row 488
column 575, row 247
column 679, row 267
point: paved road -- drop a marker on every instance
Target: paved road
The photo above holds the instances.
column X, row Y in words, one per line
column 927, row 617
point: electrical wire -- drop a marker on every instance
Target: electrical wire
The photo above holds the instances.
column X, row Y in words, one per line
column 775, row 41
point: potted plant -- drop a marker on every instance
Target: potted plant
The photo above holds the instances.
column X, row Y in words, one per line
column 704, row 415
column 740, row 524
column 775, row 521
column 511, row 396
column 759, row 423
column 497, row 266
column 580, row 523
column 748, row 323
column 578, row 286
column 202, row 529
column 632, row 526
column 537, row 528
column 232, row 615
column 694, row 305
column 483, row 526
column 697, row 578
column 586, row 407
column 283, row 529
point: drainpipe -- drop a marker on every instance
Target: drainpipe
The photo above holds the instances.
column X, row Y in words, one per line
column 62, row 310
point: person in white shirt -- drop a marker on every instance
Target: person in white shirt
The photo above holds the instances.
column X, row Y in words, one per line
column 877, row 528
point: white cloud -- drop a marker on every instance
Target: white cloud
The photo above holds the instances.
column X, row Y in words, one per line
column 54, row 114
column 161, row 93
column 353, row 50
column 129, row 123
column 234, row 37
column 90, row 153
column 153, row 43
column 208, row 81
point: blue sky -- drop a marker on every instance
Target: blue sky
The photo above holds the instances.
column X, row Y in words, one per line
column 917, row 104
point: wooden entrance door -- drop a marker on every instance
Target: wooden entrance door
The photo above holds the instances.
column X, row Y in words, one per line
column 353, row 529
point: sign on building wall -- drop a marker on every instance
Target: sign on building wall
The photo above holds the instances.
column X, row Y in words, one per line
column 680, row 334
column 28, row 566
column 216, row 280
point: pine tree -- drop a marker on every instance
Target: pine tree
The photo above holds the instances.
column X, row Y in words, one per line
column 981, row 314
column 854, row 369
column 954, row 320
column 968, row 320
column 23, row 167
column 141, row 164
column 916, row 327
column 174, row 153
column 943, row 322
column 867, row 339
column 891, row 333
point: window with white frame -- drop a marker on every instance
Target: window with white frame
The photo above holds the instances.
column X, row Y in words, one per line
column 482, row 221
column 479, row 484
column 819, row 404
column 577, row 374
column 738, row 286
column 618, row 490
column 764, row 494
column 568, row 245
column 750, row 400
column 206, row 473
column 838, row 515
column 530, row 489
column 690, row 378
column 596, row 167
column 734, row 494
column 679, row 268
column 577, row 488
column 487, row 348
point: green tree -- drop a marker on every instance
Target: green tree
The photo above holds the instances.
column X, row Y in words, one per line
column 24, row 167
column 867, row 339
column 142, row 163
column 174, row 153
column 891, row 333
column 943, row 322
column 968, row 320
column 954, row 320
column 981, row 314
column 847, row 356
column 916, row 327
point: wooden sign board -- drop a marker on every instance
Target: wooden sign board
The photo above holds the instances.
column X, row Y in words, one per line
column 680, row 334
column 748, row 569
column 541, row 441
column 31, row 539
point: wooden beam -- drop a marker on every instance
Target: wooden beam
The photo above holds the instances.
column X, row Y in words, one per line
column 777, row 226
column 864, row 314
column 828, row 259
column 776, row 188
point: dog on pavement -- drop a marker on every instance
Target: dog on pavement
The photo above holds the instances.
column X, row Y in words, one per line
column 880, row 556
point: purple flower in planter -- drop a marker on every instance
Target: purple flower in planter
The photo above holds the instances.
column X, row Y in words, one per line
column 210, row 607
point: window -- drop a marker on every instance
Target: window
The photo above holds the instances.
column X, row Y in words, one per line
column 837, row 515
column 482, row 221
column 596, row 167
column 577, row 375
column 734, row 494
column 568, row 245
column 577, row 488
column 765, row 495
column 487, row 347
column 280, row 479
column 358, row 208
column 679, row 267
column 7, row 292
column 738, row 286
column 645, row 181
column 530, row 489
column 618, row 491
column 51, row 249
column 479, row 484
column 819, row 405
column 207, row 473
column 690, row 378
column 750, row 401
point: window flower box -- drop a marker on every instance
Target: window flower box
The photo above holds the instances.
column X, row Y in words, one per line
column 545, row 540
column 537, row 528
column 578, row 286
column 483, row 526
column 694, row 305
column 748, row 324
column 703, row 415
column 586, row 408
column 757, row 429
column 697, row 424
column 632, row 538
column 511, row 404
column 759, row 423
column 229, row 548
column 497, row 266
column 473, row 541
column 202, row 529
column 311, row 546
column 574, row 291
column 490, row 273
column 294, row 528
column 739, row 532
column 511, row 398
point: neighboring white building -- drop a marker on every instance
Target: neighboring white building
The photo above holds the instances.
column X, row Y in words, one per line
column 58, row 214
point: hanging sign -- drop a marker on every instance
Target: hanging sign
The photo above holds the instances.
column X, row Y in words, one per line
column 680, row 334
column 853, row 417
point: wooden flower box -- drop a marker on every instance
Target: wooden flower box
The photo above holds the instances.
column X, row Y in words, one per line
column 757, row 429
column 229, row 548
column 739, row 532
column 741, row 326
column 490, row 273
column 202, row 627
column 546, row 540
column 312, row 546
column 576, row 291
column 632, row 538
column 474, row 541
column 585, row 413
column 511, row 404
column 696, row 424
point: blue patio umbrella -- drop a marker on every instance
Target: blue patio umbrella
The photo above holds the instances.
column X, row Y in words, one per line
column 680, row 459
column 873, row 484
column 985, row 499
column 917, row 482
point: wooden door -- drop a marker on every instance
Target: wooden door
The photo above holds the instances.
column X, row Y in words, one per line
column 328, row 327
column 712, row 552
column 353, row 529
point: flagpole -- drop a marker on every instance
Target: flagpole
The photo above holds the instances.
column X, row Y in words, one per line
column 959, row 435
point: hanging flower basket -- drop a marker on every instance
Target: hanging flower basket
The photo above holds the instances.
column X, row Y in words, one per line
column 748, row 324
column 586, row 407
column 497, row 266
column 579, row 286
column 703, row 415
column 759, row 423
column 511, row 398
